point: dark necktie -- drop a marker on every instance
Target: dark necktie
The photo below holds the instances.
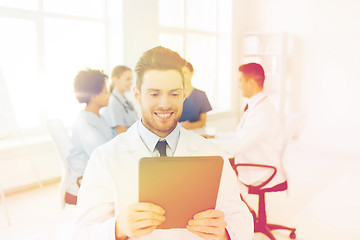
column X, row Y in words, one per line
column 246, row 107
column 161, row 147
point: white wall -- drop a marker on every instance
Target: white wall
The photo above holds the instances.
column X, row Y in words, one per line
column 140, row 21
column 325, row 66
column 141, row 30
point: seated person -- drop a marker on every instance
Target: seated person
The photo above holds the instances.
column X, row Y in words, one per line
column 108, row 205
column 196, row 104
column 120, row 114
column 259, row 137
column 90, row 130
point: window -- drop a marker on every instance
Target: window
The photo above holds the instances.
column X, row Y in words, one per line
column 43, row 44
column 19, row 65
column 200, row 31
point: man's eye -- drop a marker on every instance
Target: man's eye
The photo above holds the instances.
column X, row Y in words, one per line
column 153, row 94
column 174, row 94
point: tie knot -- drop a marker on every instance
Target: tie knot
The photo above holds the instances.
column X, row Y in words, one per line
column 246, row 107
column 161, row 147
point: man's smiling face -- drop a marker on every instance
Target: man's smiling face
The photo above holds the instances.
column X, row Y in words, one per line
column 161, row 99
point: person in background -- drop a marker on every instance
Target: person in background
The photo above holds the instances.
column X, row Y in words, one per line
column 108, row 206
column 196, row 104
column 90, row 130
column 120, row 114
column 259, row 136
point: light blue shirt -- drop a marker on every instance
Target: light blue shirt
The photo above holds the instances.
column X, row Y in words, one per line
column 89, row 132
column 120, row 112
column 150, row 139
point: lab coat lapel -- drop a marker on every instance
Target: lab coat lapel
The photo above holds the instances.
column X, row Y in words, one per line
column 186, row 145
column 243, row 119
column 251, row 110
column 134, row 145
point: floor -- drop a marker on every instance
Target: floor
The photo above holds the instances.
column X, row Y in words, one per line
column 322, row 202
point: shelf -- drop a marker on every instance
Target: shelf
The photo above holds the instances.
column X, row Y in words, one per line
column 271, row 34
column 271, row 75
column 269, row 49
column 274, row 54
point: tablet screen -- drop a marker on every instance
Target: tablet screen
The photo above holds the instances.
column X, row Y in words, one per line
column 183, row 186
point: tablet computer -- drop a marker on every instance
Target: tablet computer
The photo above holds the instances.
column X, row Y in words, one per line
column 183, row 186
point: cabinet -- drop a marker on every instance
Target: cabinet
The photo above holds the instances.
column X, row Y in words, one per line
column 269, row 50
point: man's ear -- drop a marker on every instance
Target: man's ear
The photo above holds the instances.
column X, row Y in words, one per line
column 253, row 83
column 137, row 95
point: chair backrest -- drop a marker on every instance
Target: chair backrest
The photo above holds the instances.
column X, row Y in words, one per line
column 61, row 138
column 291, row 124
column 63, row 144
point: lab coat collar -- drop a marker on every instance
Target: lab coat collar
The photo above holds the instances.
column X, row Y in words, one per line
column 256, row 99
column 186, row 146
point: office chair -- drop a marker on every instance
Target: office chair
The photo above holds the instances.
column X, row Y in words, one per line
column 260, row 219
column 62, row 143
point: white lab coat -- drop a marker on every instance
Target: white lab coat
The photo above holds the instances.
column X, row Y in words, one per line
column 259, row 139
column 110, row 184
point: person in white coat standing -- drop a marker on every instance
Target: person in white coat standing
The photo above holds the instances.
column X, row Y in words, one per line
column 120, row 114
column 259, row 136
column 108, row 198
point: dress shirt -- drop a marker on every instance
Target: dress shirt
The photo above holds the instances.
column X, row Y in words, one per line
column 150, row 139
column 259, row 139
column 110, row 185
column 120, row 111
column 89, row 132
column 252, row 102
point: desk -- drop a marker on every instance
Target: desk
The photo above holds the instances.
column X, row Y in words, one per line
column 2, row 194
column 24, row 161
column 204, row 130
column 14, row 148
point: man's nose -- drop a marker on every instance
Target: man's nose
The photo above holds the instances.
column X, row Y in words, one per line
column 164, row 102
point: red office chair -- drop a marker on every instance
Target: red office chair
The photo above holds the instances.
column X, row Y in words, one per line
column 260, row 221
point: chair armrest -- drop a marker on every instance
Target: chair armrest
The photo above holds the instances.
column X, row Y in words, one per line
column 257, row 187
column 232, row 163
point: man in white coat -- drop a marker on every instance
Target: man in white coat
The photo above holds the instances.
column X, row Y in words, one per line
column 259, row 136
column 108, row 198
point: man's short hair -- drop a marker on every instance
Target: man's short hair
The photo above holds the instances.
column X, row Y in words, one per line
column 89, row 83
column 254, row 71
column 158, row 58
